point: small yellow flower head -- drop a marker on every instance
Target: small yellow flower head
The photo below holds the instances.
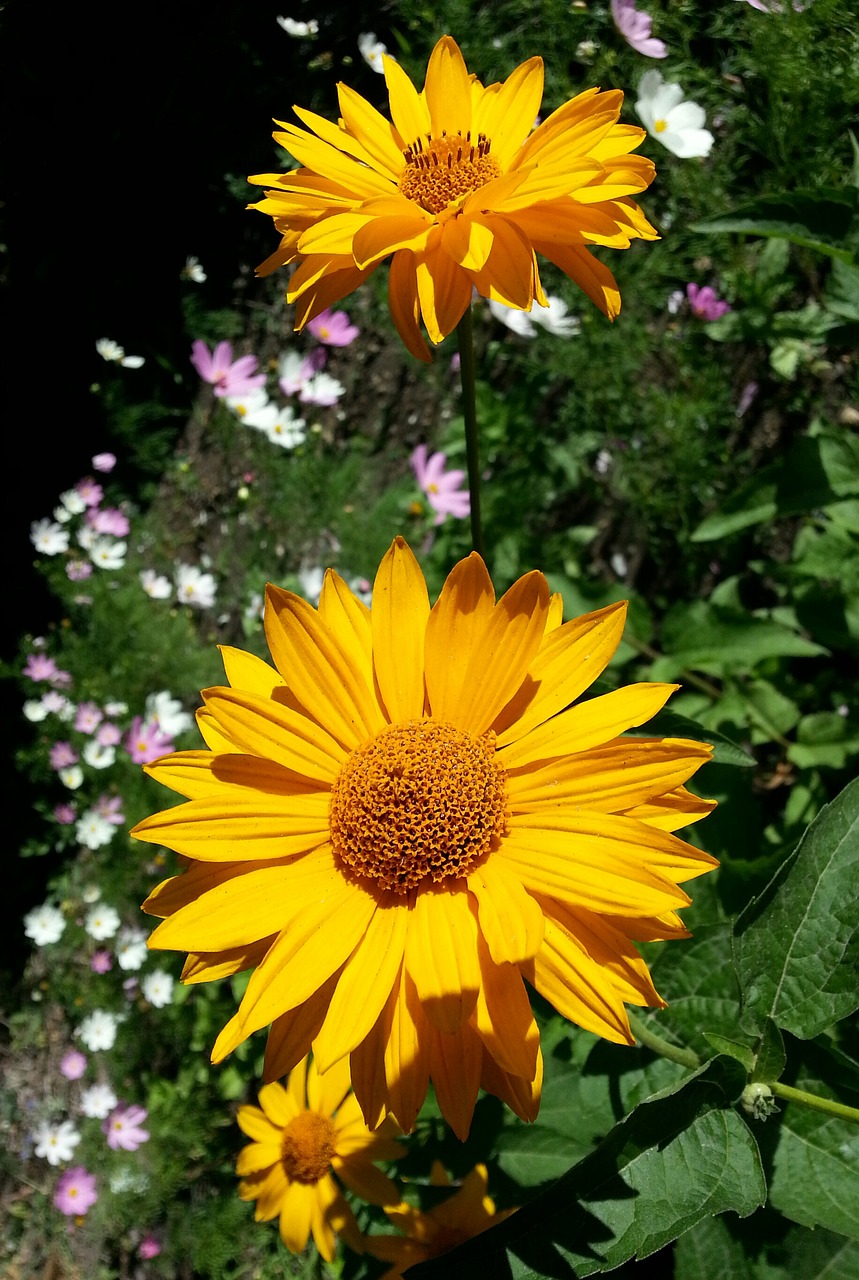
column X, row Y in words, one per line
column 413, row 818
column 460, row 190
column 307, row 1139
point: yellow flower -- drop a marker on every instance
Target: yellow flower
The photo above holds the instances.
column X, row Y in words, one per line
column 302, row 1135
column 406, row 819
column 428, row 1235
column 462, row 189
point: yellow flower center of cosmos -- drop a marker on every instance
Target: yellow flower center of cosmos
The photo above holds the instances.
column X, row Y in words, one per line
column 421, row 801
column 440, row 171
column 659, row 126
column 307, row 1147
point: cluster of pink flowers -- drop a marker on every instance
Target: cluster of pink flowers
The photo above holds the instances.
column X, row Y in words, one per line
column 40, row 667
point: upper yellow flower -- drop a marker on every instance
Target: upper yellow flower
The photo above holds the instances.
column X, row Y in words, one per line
column 466, row 1213
column 407, row 819
column 306, row 1138
column 462, row 189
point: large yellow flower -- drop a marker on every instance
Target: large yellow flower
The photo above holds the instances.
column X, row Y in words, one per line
column 406, row 819
column 461, row 188
column 466, row 1213
column 306, row 1138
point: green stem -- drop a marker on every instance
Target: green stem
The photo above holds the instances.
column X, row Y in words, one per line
column 467, row 377
column 673, row 1052
column 815, row 1102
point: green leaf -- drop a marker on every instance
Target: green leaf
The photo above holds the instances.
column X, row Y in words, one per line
column 709, row 1249
column 696, row 978
column 678, row 1158
column 725, row 1249
column 732, row 1048
column 815, row 1165
column 669, row 724
column 705, row 637
column 796, row 945
column 816, row 471
column 770, row 1058
column 821, row 219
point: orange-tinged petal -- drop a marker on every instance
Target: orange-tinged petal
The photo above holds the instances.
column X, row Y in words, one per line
column 384, row 234
column 507, row 117
column 327, row 679
column 386, row 160
column 467, row 241
column 245, row 825
column 399, row 617
column 268, row 729
column 223, row 964
column 367, row 1063
column 509, row 274
column 510, row 920
column 365, row 1180
column 447, row 90
column 409, row 110
column 590, row 723
column 444, row 293
column 368, row 976
column 455, row 1066
column 592, row 276
column 326, row 1092
column 331, row 1217
column 291, row 1035
column 503, row 1018
column 521, row 1096
column 333, row 164
column 570, row 659
column 441, row 956
column 407, row 1055
column 455, row 632
column 404, row 305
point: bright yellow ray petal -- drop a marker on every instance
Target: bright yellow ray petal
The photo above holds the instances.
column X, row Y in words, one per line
column 591, row 275
column 334, row 235
column 509, row 275
column 409, row 111
column 296, row 1211
column 672, row 811
column 503, row 1017
column 255, row 1124
column 367, row 979
column 223, row 964
column 367, row 1063
column 246, row 671
column 326, row 1092
column 613, row 951
column 327, row 679
column 213, row 736
column 441, row 956
column 331, row 1217
column 399, row 616
column 291, row 1035
column 196, row 774
column 385, row 234
column 507, row 117
column 448, row 90
column 454, row 634
column 577, row 987
column 570, row 659
column 455, row 1067
column 267, row 1189
column 466, row 241
column 590, row 723
column 444, row 292
column 407, row 1056
column 198, row 877
column 404, row 305
column 332, row 163
column 258, row 1156
column 365, row 1180
column 378, row 136
column 263, row 727
column 279, row 1105
column 245, row 825
column 521, row 1096
column 348, row 619
column 510, row 920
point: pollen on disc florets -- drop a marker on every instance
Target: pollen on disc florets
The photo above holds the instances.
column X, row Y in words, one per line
column 421, row 801
column 440, row 171
column 307, row 1147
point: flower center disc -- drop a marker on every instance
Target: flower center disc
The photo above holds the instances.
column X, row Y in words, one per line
column 307, row 1147
column 439, row 171
column 422, row 801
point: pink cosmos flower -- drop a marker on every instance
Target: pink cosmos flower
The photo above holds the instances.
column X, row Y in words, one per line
column 441, row 487
column 145, row 741
column 110, row 808
column 91, row 492
column 88, row 717
column 104, row 462
column 704, row 303
column 123, row 1129
column 229, row 377
column 75, row 1192
column 149, row 1247
column 73, row 1064
column 78, row 570
column 333, row 328
column 62, row 755
column 108, row 734
column 635, row 28
column 101, row 961
column 65, row 814
column 296, row 371
column 40, row 667
column 109, row 520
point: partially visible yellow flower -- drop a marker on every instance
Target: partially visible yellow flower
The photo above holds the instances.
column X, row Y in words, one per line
column 461, row 190
column 429, row 1235
column 307, row 1138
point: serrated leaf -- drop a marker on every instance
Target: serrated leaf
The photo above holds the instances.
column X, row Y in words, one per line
column 709, row 1249
column 820, row 219
column 705, row 637
column 695, row 976
column 796, row 946
column 676, row 1159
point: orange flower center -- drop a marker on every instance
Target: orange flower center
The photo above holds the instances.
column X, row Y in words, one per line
column 440, row 171
column 422, row 801
column 307, row 1147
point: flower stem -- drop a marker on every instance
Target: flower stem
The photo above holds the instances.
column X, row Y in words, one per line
column 673, row 1052
column 465, row 339
column 815, row 1102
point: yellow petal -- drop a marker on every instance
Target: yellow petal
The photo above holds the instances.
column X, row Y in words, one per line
column 223, row 964
column 510, row 920
column 256, row 1124
column 246, row 671
column 399, row 615
column 466, row 241
column 258, row 1156
column 196, row 774
column 676, row 809
column 348, row 619
column 507, row 117
column 365, row 1180
column 404, row 305
column 367, row 979
column 444, row 292
column 327, row 679
column 385, row 234
column 454, row 634
column 448, row 90
column 243, row 826
column 503, row 1018
column 215, row 739
column 577, row 986
column 291, row 1035
column 613, row 950
column 441, row 956
column 521, row 1096
column 263, row 727
column 333, row 235
column 592, row 276
column 378, row 137
column 409, row 111
column 326, row 1092
column 510, row 271
column 455, row 1066
column 296, row 1211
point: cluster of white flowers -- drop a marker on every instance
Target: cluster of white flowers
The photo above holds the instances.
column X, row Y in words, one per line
column 299, row 29
column 115, row 354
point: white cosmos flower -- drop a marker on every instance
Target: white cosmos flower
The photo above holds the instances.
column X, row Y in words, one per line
column 49, row 537
column 298, row 29
column 56, row 1142
column 193, row 270
column 34, row 710
column 72, row 502
column 98, row 1030
column 519, row 322
column 44, row 924
column 249, row 402
column 371, row 50
column 72, row 776
column 93, row 831
column 98, row 1101
column 157, row 987
column 102, row 922
column 115, row 354
column 107, row 553
column 167, row 710
column 131, row 950
column 155, row 584
column 555, row 318
column 678, row 125
column 98, row 756
column 321, row 390
column 195, row 587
